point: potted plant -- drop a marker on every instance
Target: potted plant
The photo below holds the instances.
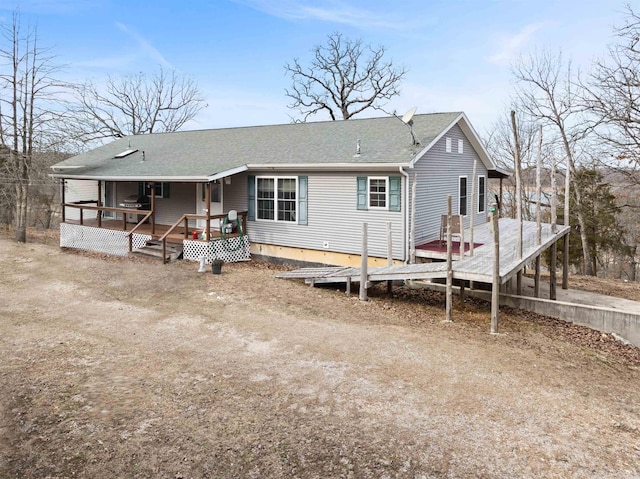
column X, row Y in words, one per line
column 216, row 266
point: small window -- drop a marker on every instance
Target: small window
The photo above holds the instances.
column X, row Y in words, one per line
column 482, row 194
column 448, row 145
column 378, row 190
column 160, row 190
column 460, row 146
column 215, row 192
column 462, row 196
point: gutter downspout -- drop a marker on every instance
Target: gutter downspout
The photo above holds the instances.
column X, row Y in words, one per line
column 405, row 229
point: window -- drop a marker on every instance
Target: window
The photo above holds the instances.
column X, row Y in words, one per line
column 159, row 190
column 215, row 192
column 448, row 145
column 378, row 192
column 276, row 199
column 482, row 194
column 460, row 146
column 286, row 199
column 462, row 196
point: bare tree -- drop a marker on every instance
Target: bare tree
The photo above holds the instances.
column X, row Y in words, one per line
column 501, row 146
column 613, row 93
column 134, row 105
column 26, row 100
column 548, row 92
column 343, row 79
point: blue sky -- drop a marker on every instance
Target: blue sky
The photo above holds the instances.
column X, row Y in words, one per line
column 458, row 52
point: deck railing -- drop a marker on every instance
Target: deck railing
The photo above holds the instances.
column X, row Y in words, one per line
column 125, row 211
column 207, row 230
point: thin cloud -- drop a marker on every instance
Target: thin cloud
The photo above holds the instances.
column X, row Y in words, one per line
column 145, row 46
column 510, row 46
column 332, row 12
column 50, row 6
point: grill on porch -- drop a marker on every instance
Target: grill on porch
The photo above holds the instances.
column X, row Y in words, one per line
column 136, row 202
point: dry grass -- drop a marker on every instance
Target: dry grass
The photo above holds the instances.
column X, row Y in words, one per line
column 114, row 368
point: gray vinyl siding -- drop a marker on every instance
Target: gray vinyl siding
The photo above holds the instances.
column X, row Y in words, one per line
column 80, row 190
column 182, row 200
column 333, row 217
column 438, row 173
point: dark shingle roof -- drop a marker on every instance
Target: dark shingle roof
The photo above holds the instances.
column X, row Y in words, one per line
column 204, row 153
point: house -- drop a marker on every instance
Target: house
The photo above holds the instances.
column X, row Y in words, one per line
column 302, row 191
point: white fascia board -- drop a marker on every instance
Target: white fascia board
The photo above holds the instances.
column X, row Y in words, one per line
column 65, row 167
column 163, row 179
column 330, row 166
column 231, row 172
column 475, row 140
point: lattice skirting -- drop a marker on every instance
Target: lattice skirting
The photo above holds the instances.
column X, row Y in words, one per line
column 230, row 250
column 98, row 239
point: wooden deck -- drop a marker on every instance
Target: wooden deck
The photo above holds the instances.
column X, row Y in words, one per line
column 478, row 268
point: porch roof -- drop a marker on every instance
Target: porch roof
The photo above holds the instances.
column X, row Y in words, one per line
column 203, row 155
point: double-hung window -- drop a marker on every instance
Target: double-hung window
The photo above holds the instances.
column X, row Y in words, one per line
column 276, row 198
column 462, row 196
column 482, row 194
column 378, row 190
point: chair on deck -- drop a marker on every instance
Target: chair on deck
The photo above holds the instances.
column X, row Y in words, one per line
column 456, row 228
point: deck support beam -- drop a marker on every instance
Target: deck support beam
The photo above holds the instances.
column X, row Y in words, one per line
column 495, row 287
column 364, row 260
column 449, row 293
column 552, row 271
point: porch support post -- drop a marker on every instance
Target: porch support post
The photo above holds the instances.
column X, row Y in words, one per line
column 208, row 220
column 99, row 204
column 64, row 209
column 152, row 188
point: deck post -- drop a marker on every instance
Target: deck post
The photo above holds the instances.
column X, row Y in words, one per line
column 565, row 262
column 536, row 279
column 152, row 188
column 64, row 208
column 208, row 220
column 389, row 256
column 449, row 294
column 100, row 204
column 473, row 209
column 552, row 271
column 348, row 287
column 363, row 264
column 186, row 227
column 495, row 287
column 412, row 229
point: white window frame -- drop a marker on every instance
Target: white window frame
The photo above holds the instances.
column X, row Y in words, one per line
column 466, row 197
column 161, row 183
column 386, row 191
column 460, row 146
column 275, row 198
column 447, row 143
column 484, row 206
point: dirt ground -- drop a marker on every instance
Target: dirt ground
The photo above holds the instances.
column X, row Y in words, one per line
column 129, row 368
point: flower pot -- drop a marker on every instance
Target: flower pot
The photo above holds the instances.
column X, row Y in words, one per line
column 216, row 268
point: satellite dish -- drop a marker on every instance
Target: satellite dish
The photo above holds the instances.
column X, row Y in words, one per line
column 408, row 116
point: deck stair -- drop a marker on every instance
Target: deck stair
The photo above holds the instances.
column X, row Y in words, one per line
column 153, row 249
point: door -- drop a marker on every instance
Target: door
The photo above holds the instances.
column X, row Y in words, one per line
column 216, row 203
column 109, row 198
